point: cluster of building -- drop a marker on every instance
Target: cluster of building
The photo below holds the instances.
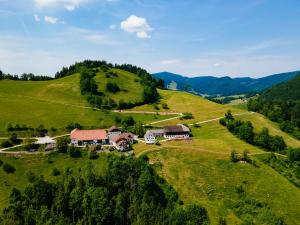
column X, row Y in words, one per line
column 113, row 137
column 178, row 131
column 122, row 141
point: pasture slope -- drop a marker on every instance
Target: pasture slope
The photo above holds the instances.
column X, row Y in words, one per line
column 57, row 103
column 199, row 169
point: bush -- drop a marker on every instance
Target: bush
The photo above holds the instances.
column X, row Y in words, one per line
column 14, row 139
column 1, row 162
column 164, row 106
column 112, row 87
column 74, row 152
column 234, row 156
column 93, row 154
column 62, row 144
column 6, row 144
column 31, row 177
column 55, row 172
column 8, row 168
column 187, row 116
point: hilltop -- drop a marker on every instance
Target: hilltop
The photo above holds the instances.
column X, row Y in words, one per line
column 209, row 85
column 55, row 103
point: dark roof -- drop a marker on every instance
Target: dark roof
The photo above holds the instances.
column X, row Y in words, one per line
column 113, row 128
column 176, row 129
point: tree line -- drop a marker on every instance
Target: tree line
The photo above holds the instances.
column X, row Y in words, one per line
column 245, row 131
column 24, row 77
column 129, row 193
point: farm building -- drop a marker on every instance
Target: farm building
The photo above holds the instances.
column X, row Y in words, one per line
column 178, row 131
column 123, row 141
column 113, row 131
column 151, row 135
column 88, row 137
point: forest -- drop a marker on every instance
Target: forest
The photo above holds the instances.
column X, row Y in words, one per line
column 281, row 104
column 129, row 193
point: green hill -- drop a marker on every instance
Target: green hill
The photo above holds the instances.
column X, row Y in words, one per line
column 289, row 90
column 281, row 103
column 57, row 103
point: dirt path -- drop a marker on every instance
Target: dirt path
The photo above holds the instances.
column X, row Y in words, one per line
column 147, row 112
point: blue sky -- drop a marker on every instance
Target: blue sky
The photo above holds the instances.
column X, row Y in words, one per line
column 190, row 37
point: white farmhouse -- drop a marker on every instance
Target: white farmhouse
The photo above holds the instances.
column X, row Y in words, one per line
column 151, row 135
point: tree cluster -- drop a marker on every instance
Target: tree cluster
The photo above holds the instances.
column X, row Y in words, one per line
column 129, row 193
column 281, row 104
column 245, row 131
column 286, row 166
column 24, row 77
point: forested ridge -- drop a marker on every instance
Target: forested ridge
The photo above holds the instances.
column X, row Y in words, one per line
column 129, row 193
column 281, row 104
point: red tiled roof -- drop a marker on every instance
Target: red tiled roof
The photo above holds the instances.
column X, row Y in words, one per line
column 88, row 135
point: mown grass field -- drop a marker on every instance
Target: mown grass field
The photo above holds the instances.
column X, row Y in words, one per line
column 201, row 171
column 201, row 108
column 130, row 88
column 58, row 103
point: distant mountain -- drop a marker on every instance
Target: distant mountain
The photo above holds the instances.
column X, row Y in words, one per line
column 209, row 85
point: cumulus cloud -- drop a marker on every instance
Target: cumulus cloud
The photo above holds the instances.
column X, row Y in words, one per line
column 67, row 4
column 50, row 19
column 137, row 25
column 36, row 18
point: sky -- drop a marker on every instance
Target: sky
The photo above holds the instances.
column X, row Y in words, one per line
column 189, row 37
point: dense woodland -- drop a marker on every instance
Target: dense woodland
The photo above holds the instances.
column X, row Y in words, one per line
column 281, row 104
column 130, row 193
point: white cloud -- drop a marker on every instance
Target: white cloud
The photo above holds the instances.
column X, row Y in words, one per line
column 138, row 25
column 50, row 19
column 67, row 4
column 37, row 18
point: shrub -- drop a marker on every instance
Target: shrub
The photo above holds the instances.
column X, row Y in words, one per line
column 164, row 106
column 187, row 116
column 1, row 162
column 112, row 87
column 62, row 144
column 234, row 156
column 31, row 177
column 6, row 144
column 14, row 139
column 8, row 168
column 55, row 172
column 93, row 154
column 74, row 152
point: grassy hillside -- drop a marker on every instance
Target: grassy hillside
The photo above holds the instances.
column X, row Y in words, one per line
column 131, row 89
column 57, row 103
column 201, row 171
